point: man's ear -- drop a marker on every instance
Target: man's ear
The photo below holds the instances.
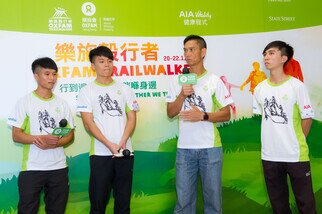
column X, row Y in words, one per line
column 203, row 52
column 93, row 66
column 284, row 58
column 36, row 76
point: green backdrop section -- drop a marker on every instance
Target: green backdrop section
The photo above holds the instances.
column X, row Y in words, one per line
column 154, row 176
column 162, row 18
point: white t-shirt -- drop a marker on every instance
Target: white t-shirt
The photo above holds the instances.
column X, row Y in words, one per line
column 210, row 93
column 38, row 116
column 109, row 105
column 283, row 106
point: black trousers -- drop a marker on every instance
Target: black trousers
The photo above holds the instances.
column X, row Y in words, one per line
column 109, row 173
column 55, row 185
column 276, row 182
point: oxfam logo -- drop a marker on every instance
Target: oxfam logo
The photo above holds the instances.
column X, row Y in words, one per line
column 88, row 9
column 183, row 79
column 57, row 131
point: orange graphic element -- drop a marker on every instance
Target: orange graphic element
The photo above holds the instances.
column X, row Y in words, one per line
column 149, row 51
column 293, row 68
column 255, row 77
column 65, row 52
column 229, row 86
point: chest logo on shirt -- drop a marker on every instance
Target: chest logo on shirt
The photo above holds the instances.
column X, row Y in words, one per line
column 109, row 106
column 46, row 123
column 196, row 101
column 274, row 111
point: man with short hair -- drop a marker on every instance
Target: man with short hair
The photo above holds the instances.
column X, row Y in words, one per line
column 44, row 165
column 199, row 146
column 108, row 110
column 287, row 113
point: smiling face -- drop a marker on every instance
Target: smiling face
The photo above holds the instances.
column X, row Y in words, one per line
column 103, row 66
column 46, row 78
column 193, row 53
column 274, row 59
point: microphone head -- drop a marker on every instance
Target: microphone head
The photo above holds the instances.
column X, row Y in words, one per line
column 63, row 123
column 126, row 153
column 185, row 71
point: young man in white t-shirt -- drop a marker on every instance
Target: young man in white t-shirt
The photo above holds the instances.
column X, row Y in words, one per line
column 199, row 147
column 287, row 113
column 33, row 121
column 108, row 110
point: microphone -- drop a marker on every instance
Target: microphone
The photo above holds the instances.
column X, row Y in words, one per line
column 63, row 123
column 185, row 71
column 124, row 153
column 61, row 130
column 187, row 78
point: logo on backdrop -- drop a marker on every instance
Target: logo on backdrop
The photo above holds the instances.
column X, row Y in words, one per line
column 89, row 23
column 60, row 20
column 88, row 9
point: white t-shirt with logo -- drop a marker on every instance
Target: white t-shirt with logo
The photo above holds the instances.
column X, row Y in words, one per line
column 283, row 106
column 210, row 94
column 38, row 116
column 109, row 105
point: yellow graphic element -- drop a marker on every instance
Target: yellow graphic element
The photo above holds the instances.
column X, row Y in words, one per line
column 256, row 76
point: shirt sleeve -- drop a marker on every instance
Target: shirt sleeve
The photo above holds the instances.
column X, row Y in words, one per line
column 256, row 104
column 222, row 95
column 131, row 102
column 18, row 115
column 172, row 92
column 83, row 101
column 304, row 102
column 69, row 116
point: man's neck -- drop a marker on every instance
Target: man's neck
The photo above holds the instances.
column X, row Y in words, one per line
column 104, row 80
column 44, row 93
column 199, row 70
column 277, row 76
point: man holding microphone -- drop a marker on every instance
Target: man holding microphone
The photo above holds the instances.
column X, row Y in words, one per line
column 199, row 146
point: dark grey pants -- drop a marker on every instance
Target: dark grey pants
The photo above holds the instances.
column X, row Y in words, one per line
column 55, row 186
column 109, row 173
column 276, row 182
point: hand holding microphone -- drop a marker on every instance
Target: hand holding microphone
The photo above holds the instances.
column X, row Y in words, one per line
column 123, row 153
column 61, row 131
column 186, row 80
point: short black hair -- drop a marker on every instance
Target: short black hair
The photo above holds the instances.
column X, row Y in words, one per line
column 100, row 51
column 201, row 41
column 286, row 49
column 44, row 62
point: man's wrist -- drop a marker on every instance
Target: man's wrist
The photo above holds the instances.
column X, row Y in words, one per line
column 182, row 96
column 205, row 116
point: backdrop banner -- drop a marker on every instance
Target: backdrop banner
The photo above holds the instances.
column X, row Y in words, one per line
column 147, row 42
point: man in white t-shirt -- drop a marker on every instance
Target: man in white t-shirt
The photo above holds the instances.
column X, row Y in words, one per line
column 33, row 120
column 199, row 147
column 108, row 110
column 287, row 113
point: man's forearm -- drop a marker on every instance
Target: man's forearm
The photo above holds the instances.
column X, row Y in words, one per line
column 174, row 108
column 306, row 126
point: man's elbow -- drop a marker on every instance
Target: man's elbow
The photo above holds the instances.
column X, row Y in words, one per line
column 87, row 127
column 227, row 115
column 15, row 138
column 170, row 114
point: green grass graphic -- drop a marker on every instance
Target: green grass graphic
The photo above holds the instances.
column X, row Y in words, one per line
column 154, row 176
